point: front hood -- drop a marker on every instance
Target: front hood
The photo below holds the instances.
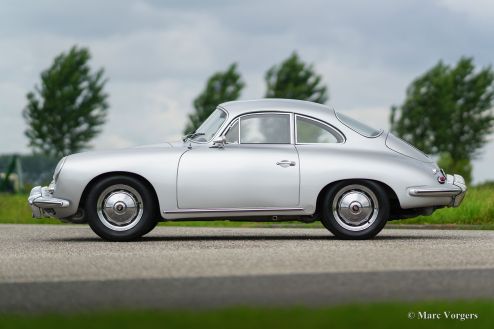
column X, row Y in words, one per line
column 400, row 146
column 155, row 145
column 178, row 143
column 128, row 154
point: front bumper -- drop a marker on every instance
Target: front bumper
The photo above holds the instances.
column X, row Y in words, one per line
column 43, row 204
column 455, row 188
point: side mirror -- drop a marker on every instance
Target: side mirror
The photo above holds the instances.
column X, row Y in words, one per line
column 219, row 142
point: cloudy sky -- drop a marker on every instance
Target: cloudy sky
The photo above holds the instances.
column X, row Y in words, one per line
column 158, row 54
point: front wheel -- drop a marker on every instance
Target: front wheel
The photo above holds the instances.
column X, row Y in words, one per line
column 120, row 208
column 355, row 210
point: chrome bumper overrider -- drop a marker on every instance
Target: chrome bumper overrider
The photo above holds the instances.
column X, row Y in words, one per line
column 455, row 188
column 43, row 204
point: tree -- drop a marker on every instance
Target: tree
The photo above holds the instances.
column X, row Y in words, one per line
column 447, row 112
column 69, row 107
column 296, row 80
column 220, row 87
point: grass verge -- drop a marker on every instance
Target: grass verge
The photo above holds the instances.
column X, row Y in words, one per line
column 477, row 210
column 475, row 314
column 15, row 210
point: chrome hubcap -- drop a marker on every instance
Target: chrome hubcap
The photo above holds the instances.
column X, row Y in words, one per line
column 355, row 207
column 120, row 207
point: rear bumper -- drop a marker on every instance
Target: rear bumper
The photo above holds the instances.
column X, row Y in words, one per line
column 454, row 188
column 43, row 204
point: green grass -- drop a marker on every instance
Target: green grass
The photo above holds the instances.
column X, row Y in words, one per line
column 15, row 210
column 477, row 209
column 381, row 315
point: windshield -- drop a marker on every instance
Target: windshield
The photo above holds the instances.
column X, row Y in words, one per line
column 209, row 127
column 358, row 126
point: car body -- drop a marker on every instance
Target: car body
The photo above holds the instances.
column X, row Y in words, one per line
column 268, row 159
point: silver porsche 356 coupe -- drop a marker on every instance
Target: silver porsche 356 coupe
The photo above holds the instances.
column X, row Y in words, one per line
column 260, row 160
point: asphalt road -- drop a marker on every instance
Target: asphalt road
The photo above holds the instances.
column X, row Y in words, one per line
column 67, row 268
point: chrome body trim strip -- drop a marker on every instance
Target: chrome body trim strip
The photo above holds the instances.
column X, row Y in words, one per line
column 226, row 210
column 434, row 191
column 50, row 203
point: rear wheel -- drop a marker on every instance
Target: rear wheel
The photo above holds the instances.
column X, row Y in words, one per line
column 121, row 208
column 355, row 210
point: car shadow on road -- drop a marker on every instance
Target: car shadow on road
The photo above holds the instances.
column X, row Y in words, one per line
column 283, row 237
column 271, row 237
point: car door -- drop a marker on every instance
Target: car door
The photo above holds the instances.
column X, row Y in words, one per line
column 257, row 168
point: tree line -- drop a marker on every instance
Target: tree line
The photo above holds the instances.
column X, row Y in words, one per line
column 447, row 111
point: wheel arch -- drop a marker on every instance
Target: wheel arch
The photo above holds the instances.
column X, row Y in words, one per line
column 96, row 179
column 394, row 202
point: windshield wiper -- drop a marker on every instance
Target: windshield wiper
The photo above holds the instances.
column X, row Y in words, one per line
column 190, row 136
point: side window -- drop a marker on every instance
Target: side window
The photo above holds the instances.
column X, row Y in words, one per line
column 232, row 134
column 311, row 131
column 265, row 129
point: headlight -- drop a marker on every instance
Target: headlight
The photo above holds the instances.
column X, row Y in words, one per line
column 58, row 169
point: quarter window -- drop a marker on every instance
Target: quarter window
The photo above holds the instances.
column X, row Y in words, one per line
column 265, row 129
column 310, row 131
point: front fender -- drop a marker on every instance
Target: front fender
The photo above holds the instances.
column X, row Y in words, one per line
column 158, row 165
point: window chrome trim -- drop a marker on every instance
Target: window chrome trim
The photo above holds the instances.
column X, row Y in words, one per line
column 290, row 114
column 332, row 128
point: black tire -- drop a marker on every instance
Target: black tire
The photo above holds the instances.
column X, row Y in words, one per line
column 129, row 191
column 151, row 227
column 333, row 211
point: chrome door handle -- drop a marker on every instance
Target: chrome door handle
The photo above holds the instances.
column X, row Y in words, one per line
column 285, row 163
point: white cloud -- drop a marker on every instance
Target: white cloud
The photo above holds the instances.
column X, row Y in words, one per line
column 478, row 10
column 158, row 55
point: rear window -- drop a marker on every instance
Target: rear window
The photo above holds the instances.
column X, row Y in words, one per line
column 358, row 126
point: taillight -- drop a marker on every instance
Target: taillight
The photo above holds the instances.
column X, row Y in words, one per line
column 441, row 179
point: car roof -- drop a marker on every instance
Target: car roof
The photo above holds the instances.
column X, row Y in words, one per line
column 236, row 108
